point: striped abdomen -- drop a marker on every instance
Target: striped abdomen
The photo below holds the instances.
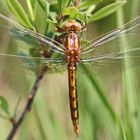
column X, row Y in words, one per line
column 73, row 96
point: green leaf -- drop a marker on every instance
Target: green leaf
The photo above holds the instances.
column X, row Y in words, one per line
column 4, row 105
column 59, row 2
column 53, row 16
column 81, row 16
column 88, row 3
column 43, row 4
column 19, row 13
column 71, row 11
column 31, row 6
column 51, row 27
column 90, row 10
column 62, row 4
column 33, row 3
column 106, row 11
column 65, row 3
column 54, row 8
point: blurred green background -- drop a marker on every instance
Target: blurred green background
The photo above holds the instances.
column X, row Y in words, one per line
column 111, row 115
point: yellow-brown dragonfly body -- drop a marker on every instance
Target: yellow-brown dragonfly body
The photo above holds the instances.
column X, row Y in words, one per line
column 72, row 45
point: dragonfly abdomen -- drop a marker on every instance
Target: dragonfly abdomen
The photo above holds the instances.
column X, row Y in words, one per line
column 72, row 45
column 73, row 96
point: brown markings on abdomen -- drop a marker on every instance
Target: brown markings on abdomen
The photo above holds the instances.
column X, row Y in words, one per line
column 73, row 96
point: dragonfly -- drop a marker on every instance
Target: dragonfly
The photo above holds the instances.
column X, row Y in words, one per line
column 70, row 54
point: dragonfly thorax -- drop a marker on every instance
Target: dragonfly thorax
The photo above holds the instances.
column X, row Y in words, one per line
column 72, row 45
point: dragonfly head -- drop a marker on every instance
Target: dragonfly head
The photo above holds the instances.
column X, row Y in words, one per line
column 72, row 25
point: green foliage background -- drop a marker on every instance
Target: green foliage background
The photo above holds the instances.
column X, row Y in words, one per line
column 109, row 106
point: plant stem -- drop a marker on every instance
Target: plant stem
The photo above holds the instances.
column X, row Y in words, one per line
column 29, row 103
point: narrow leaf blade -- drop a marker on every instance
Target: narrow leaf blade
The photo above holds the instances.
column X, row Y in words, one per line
column 19, row 13
column 106, row 11
column 43, row 4
column 30, row 9
column 88, row 3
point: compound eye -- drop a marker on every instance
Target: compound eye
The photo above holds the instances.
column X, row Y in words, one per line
column 78, row 26
column 72, row 25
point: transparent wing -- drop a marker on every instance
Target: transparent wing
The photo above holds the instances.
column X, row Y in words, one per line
column 22, row 32
column 21, row 56
column 9, row 61
column 21, row 46
column 16, row 69
column 129, row 28
column 110, row 51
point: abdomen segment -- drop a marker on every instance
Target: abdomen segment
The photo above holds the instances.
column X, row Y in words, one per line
column 73, row 96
